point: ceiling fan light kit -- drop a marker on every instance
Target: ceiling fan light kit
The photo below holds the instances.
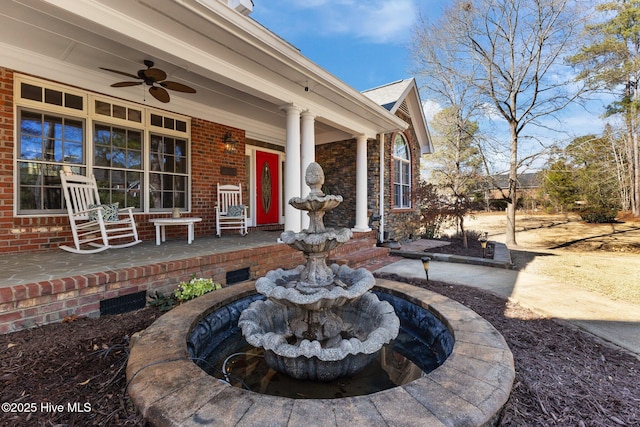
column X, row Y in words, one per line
column 155, row 78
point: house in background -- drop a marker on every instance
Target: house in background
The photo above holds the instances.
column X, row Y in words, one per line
column 528, row 191
column 75, row 92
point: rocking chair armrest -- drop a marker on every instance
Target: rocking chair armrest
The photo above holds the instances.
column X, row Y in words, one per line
column 128, row 209
column 88, row 211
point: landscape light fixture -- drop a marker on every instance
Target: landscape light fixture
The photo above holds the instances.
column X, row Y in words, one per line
column 483, row 242
column 425, row 265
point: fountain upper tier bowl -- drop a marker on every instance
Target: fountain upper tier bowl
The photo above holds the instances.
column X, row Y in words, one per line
column 309, row 242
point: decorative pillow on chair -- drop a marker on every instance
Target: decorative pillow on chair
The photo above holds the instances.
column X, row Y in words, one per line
column 109, row 212
column 235, row 210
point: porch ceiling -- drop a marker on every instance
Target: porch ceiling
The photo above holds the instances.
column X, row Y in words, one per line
column 242, row 72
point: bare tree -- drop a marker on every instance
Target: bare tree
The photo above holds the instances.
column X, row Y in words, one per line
column 512, row 52
column 455, row 165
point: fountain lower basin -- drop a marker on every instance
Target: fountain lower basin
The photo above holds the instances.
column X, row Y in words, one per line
column 319, row 333
column 469, row 387
column 365, row 325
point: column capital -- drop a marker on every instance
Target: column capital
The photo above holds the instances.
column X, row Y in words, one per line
column 308, row 115
column 291, row 108
column 360, row 137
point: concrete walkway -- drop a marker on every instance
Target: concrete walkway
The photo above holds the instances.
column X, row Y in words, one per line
column 614, row 321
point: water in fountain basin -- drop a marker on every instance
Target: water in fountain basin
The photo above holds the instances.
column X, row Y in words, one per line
column 423, row 344
column 243, row 366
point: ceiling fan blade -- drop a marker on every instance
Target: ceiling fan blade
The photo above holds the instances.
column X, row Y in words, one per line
column 133, row 76
column 178, row 87
column 155, row 74
column 159, row 93
column 126, row 84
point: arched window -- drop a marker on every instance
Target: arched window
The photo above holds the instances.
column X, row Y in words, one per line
column 401, row 173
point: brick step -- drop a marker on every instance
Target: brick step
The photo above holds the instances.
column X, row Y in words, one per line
column 360, row 258
column 354, row 245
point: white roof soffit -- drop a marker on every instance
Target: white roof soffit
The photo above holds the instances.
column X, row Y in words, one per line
column 420, row 121
column 225, row 47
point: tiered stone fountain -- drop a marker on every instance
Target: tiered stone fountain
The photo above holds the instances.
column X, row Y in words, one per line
column 321, row 322
column 318, row 322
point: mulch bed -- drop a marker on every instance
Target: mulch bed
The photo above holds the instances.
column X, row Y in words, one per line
column 80, row 362
column 564, row 377
column 451, row 246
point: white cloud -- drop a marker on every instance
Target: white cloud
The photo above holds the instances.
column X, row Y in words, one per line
column 375, row 21
column 430, row 108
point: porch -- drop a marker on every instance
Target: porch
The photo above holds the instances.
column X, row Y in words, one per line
column 46, row 287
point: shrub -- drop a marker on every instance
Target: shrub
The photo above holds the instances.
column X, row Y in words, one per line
column 599, row 215
column 474, row 235
column 194, row 288
column 162, row 302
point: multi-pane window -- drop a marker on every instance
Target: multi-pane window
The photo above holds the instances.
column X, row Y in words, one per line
column 138, row 156
column 401, row 173
column 46, row 142
column 168, row 172
column 117, row 164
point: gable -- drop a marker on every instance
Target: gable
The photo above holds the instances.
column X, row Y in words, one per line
column 403, row 96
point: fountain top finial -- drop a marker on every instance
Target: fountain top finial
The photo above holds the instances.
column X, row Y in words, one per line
column 314, row 177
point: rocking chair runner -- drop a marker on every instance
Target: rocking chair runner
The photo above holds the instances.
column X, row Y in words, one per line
column 231, row 214
column 92, row 225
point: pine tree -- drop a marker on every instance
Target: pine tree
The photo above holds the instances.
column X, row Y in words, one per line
column 612, row 62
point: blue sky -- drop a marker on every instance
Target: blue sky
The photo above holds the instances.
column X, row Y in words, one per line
column 366, row 44
column 363, row 43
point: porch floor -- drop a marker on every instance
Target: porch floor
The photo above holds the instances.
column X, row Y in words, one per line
column 19, row 269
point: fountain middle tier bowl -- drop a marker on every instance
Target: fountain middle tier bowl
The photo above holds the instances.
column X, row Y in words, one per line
column 314, row 203
column 287, row 287
column 368, row 325
column 316, row 242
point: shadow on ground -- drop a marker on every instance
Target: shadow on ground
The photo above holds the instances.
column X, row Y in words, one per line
column 596, row 240
column 522, row 258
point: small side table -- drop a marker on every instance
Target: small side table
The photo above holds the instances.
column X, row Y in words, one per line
column 161, row 223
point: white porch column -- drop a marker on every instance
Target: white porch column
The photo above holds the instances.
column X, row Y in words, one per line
column 307, row 157
column 362, row 223
column 292, row 167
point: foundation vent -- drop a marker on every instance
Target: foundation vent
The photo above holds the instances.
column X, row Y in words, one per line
column 237, row 276
column 124, row 303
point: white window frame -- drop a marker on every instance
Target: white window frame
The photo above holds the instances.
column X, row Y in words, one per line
column 404, row 182
column 90, row 117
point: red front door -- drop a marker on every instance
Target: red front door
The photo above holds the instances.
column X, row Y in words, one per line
column 267, row 203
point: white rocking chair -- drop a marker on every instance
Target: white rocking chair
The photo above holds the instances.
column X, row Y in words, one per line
column 231, row 214
column 93, row 225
